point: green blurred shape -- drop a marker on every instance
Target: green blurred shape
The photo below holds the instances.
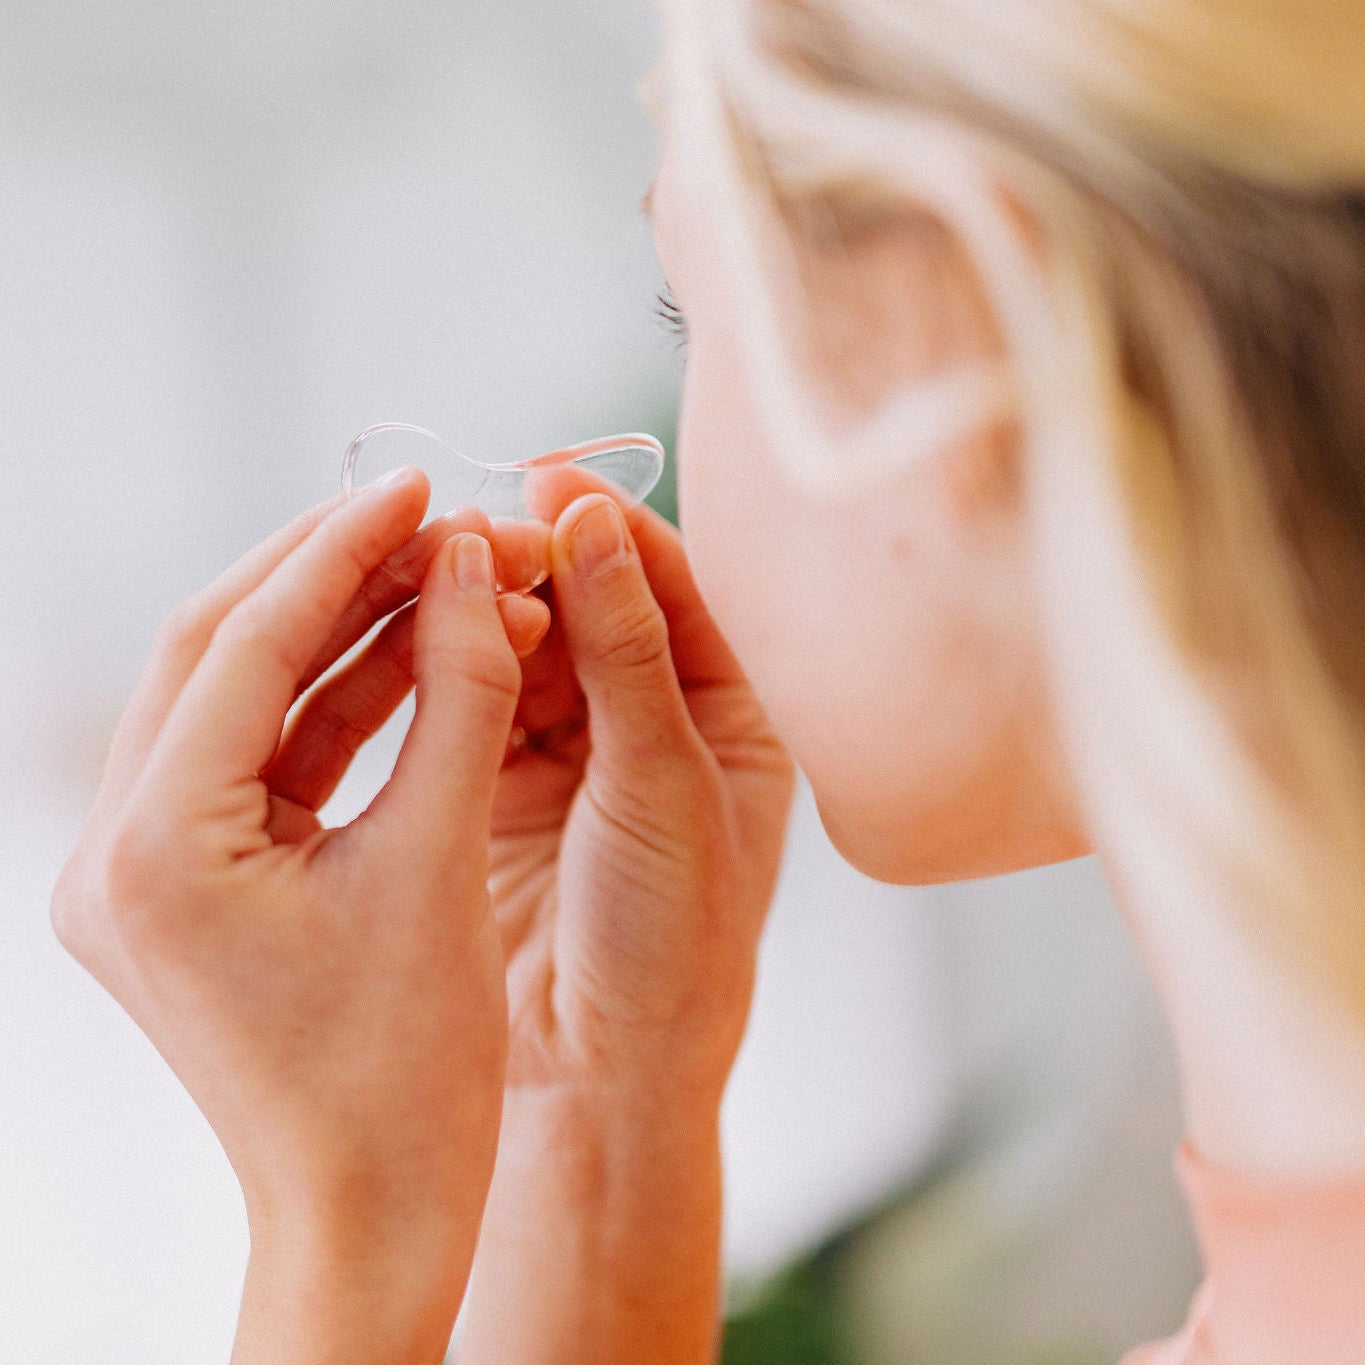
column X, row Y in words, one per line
column 796, row 1322
column 1074, row 1353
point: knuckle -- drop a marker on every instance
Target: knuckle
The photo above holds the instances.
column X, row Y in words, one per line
column 631, row 638
column 341, row 727
column 360, row 554
column 390, row 579
column 181, row 633
column 251, row 627
column 496, row 675
column 133, row 870
column 67, row 910
column 490, row 669
column 102, row 893
column 141, row 879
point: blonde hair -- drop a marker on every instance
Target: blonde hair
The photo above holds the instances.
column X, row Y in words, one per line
column 1185, row 357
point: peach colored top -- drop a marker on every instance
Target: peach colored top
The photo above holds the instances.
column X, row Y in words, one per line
column 1285, row 1272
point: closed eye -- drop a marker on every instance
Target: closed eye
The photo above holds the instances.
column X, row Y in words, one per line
column 670, row 315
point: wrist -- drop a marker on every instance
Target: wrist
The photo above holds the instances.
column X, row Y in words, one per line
column 621, row 1124
column 622, row 1167
column 308, row 1298
column 374, row 1247
column 603, row 1230
column 362, row 1271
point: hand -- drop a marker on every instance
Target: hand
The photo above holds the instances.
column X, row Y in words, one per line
column 636, row 838
column 638, row 827
column 332, row 999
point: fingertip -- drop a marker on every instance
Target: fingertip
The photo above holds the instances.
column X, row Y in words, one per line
column 392, row 507
column 460, row 617
column 473, row 519
column 549, row 489
column 615, row 631
column 538, row 491
column 591, row 536
column 407, row 486
column 460, row 571
column 469, row 560
column 521, row 553
column 526, row 621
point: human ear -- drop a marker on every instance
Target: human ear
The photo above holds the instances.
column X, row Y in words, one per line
column 893, row 303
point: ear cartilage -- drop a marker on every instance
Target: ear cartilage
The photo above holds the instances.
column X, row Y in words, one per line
column 632, row 462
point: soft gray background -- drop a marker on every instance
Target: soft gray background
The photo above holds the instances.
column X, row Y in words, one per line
column 232, row 236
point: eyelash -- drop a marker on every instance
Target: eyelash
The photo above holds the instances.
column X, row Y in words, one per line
column 670, row 316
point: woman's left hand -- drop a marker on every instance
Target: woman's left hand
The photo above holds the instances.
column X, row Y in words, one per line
column 333, row 1000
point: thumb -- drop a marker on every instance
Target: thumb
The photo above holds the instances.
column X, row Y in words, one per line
column 617, row 635
column 468, row 681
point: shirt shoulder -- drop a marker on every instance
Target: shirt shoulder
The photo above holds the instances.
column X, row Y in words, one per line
column 1284, row 1271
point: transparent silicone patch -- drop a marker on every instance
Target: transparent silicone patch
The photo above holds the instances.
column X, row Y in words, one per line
column 632, row 462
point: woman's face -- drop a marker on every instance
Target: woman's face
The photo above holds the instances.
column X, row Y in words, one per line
column 891, row 636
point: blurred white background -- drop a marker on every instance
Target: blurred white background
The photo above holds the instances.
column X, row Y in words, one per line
column 230, row 237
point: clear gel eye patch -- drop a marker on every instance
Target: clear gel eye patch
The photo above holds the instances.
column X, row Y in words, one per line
column 632, row 462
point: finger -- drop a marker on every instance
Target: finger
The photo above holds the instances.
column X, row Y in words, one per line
column 526, row 621
column 225, row 725
column 700, row 653
column 617, row 635
column 521, row 553
column 290, row 824
column 549, row 742
column 340, row 715
column 438, row 801
column 353, row 705
column 184, row 636
column 392, row 585
column 550, row 694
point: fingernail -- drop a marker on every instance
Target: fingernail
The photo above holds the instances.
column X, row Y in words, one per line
column 473, row 562
column 598, row 541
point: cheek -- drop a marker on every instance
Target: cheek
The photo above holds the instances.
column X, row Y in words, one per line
column 823, row 605
column 852, row 638
column 909, row 705
column 731, row 532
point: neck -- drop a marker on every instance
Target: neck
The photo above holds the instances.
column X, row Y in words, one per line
column 1272, row 1070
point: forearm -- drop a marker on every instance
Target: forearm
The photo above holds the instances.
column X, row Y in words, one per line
column 601, row 1241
